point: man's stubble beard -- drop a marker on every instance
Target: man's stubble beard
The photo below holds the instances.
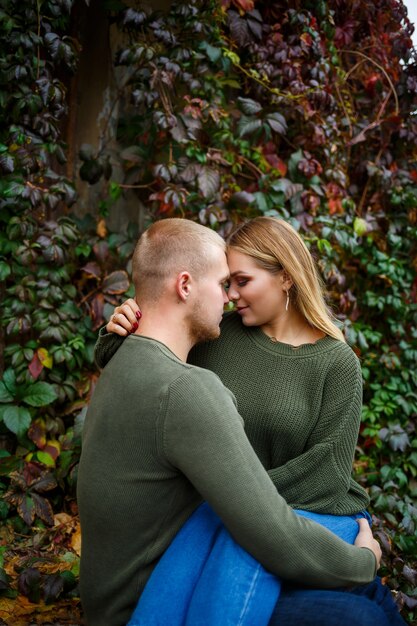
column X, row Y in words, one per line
column 200, row 328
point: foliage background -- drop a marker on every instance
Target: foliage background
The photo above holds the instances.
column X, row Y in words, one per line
column 305, row 110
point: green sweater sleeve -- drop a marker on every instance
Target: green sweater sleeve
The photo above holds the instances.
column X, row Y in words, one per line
column 320, row 478
column 106, row 346
column 203, row 437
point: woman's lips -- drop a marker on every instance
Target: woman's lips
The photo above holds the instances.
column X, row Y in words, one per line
column 241, row 309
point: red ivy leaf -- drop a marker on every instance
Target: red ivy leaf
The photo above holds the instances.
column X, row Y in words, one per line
column 37, row 433
column 29, row 583
column 116, row 283
column 344, row 34
column 335, row 206
column 35, row 366
column 43, row 509
column 244, row 5
column 53, row 586
column 101, row 250
column 53, row 449
column 26, row 508
column 277, row 163
column 92, row 269
column 46, row 482
column 97, row 305
column 31, row 472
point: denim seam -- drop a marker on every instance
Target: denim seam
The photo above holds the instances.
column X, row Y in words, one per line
column 249, row 595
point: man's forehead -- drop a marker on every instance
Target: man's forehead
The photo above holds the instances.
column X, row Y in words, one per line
column 220, row 262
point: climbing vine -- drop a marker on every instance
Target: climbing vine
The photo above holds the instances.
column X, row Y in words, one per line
column 231, row 109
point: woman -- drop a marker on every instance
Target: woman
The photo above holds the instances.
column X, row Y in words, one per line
column 298, row 385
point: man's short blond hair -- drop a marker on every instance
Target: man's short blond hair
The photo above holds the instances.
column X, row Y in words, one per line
column 167, row 248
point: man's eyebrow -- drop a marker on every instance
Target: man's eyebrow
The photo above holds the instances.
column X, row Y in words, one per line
column 225, row 279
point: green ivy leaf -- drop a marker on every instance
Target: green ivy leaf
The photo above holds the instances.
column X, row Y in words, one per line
column 235, row 59
column 277, row 123
column 6, row 163
column 262, row 201
column 249, row 106
column 208, row 181
column 40, row 394
column 8, row 387
column 45, row 458
column 69, row 580
column 247, row 126
column 5, row 395
column 212, row 52
column 5, row 270
column 293, row 162
column 16, row 418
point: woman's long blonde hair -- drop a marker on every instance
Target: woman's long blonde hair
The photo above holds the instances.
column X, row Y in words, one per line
column 276, row 246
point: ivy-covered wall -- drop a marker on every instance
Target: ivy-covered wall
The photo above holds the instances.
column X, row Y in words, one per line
column 226, row 110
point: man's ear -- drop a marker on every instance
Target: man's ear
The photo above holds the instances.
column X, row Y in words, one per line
column 183, row 286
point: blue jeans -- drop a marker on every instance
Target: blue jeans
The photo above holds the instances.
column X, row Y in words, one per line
column 206, row 579
column 368, row 605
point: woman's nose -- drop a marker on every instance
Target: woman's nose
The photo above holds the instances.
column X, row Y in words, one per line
column 233, row 294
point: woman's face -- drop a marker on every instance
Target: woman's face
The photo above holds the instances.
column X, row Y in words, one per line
column 259, row 296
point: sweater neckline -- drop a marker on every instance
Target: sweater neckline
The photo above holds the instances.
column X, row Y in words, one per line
column 158, row 344
column 286, row 349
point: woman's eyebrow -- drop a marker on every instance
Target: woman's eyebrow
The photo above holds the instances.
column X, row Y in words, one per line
column 239, row 272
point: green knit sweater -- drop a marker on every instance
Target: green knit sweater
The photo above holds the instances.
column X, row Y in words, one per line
column 160, row 435
column 301, row 408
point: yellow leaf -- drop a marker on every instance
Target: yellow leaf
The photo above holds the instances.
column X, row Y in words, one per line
column 45, row 358
column 62, row 518
column 76, row 540
column 21, row 612
column 101, row 229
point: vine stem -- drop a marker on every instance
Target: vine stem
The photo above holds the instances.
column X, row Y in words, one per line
column 236, row 62
column 89, row 294
column 367, row 58
column 148, row 185
column 38, row 7
column 359, row 209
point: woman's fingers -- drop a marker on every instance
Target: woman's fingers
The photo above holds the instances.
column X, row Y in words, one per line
column 125, row 318
column 365, row 539
column 128, row 311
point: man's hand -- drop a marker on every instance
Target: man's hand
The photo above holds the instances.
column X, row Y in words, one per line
column 365, row 539
column 125, row 319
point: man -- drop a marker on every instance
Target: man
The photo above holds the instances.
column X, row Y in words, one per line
column 162, row 435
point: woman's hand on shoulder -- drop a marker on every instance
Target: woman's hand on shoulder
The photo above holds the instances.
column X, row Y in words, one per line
column 125, row 318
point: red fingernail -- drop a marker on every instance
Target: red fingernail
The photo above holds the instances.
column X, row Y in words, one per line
column 135, row 326
column 138, row 315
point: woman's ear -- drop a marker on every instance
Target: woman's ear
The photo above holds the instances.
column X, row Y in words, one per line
column 183, row 286
column 287, row 281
